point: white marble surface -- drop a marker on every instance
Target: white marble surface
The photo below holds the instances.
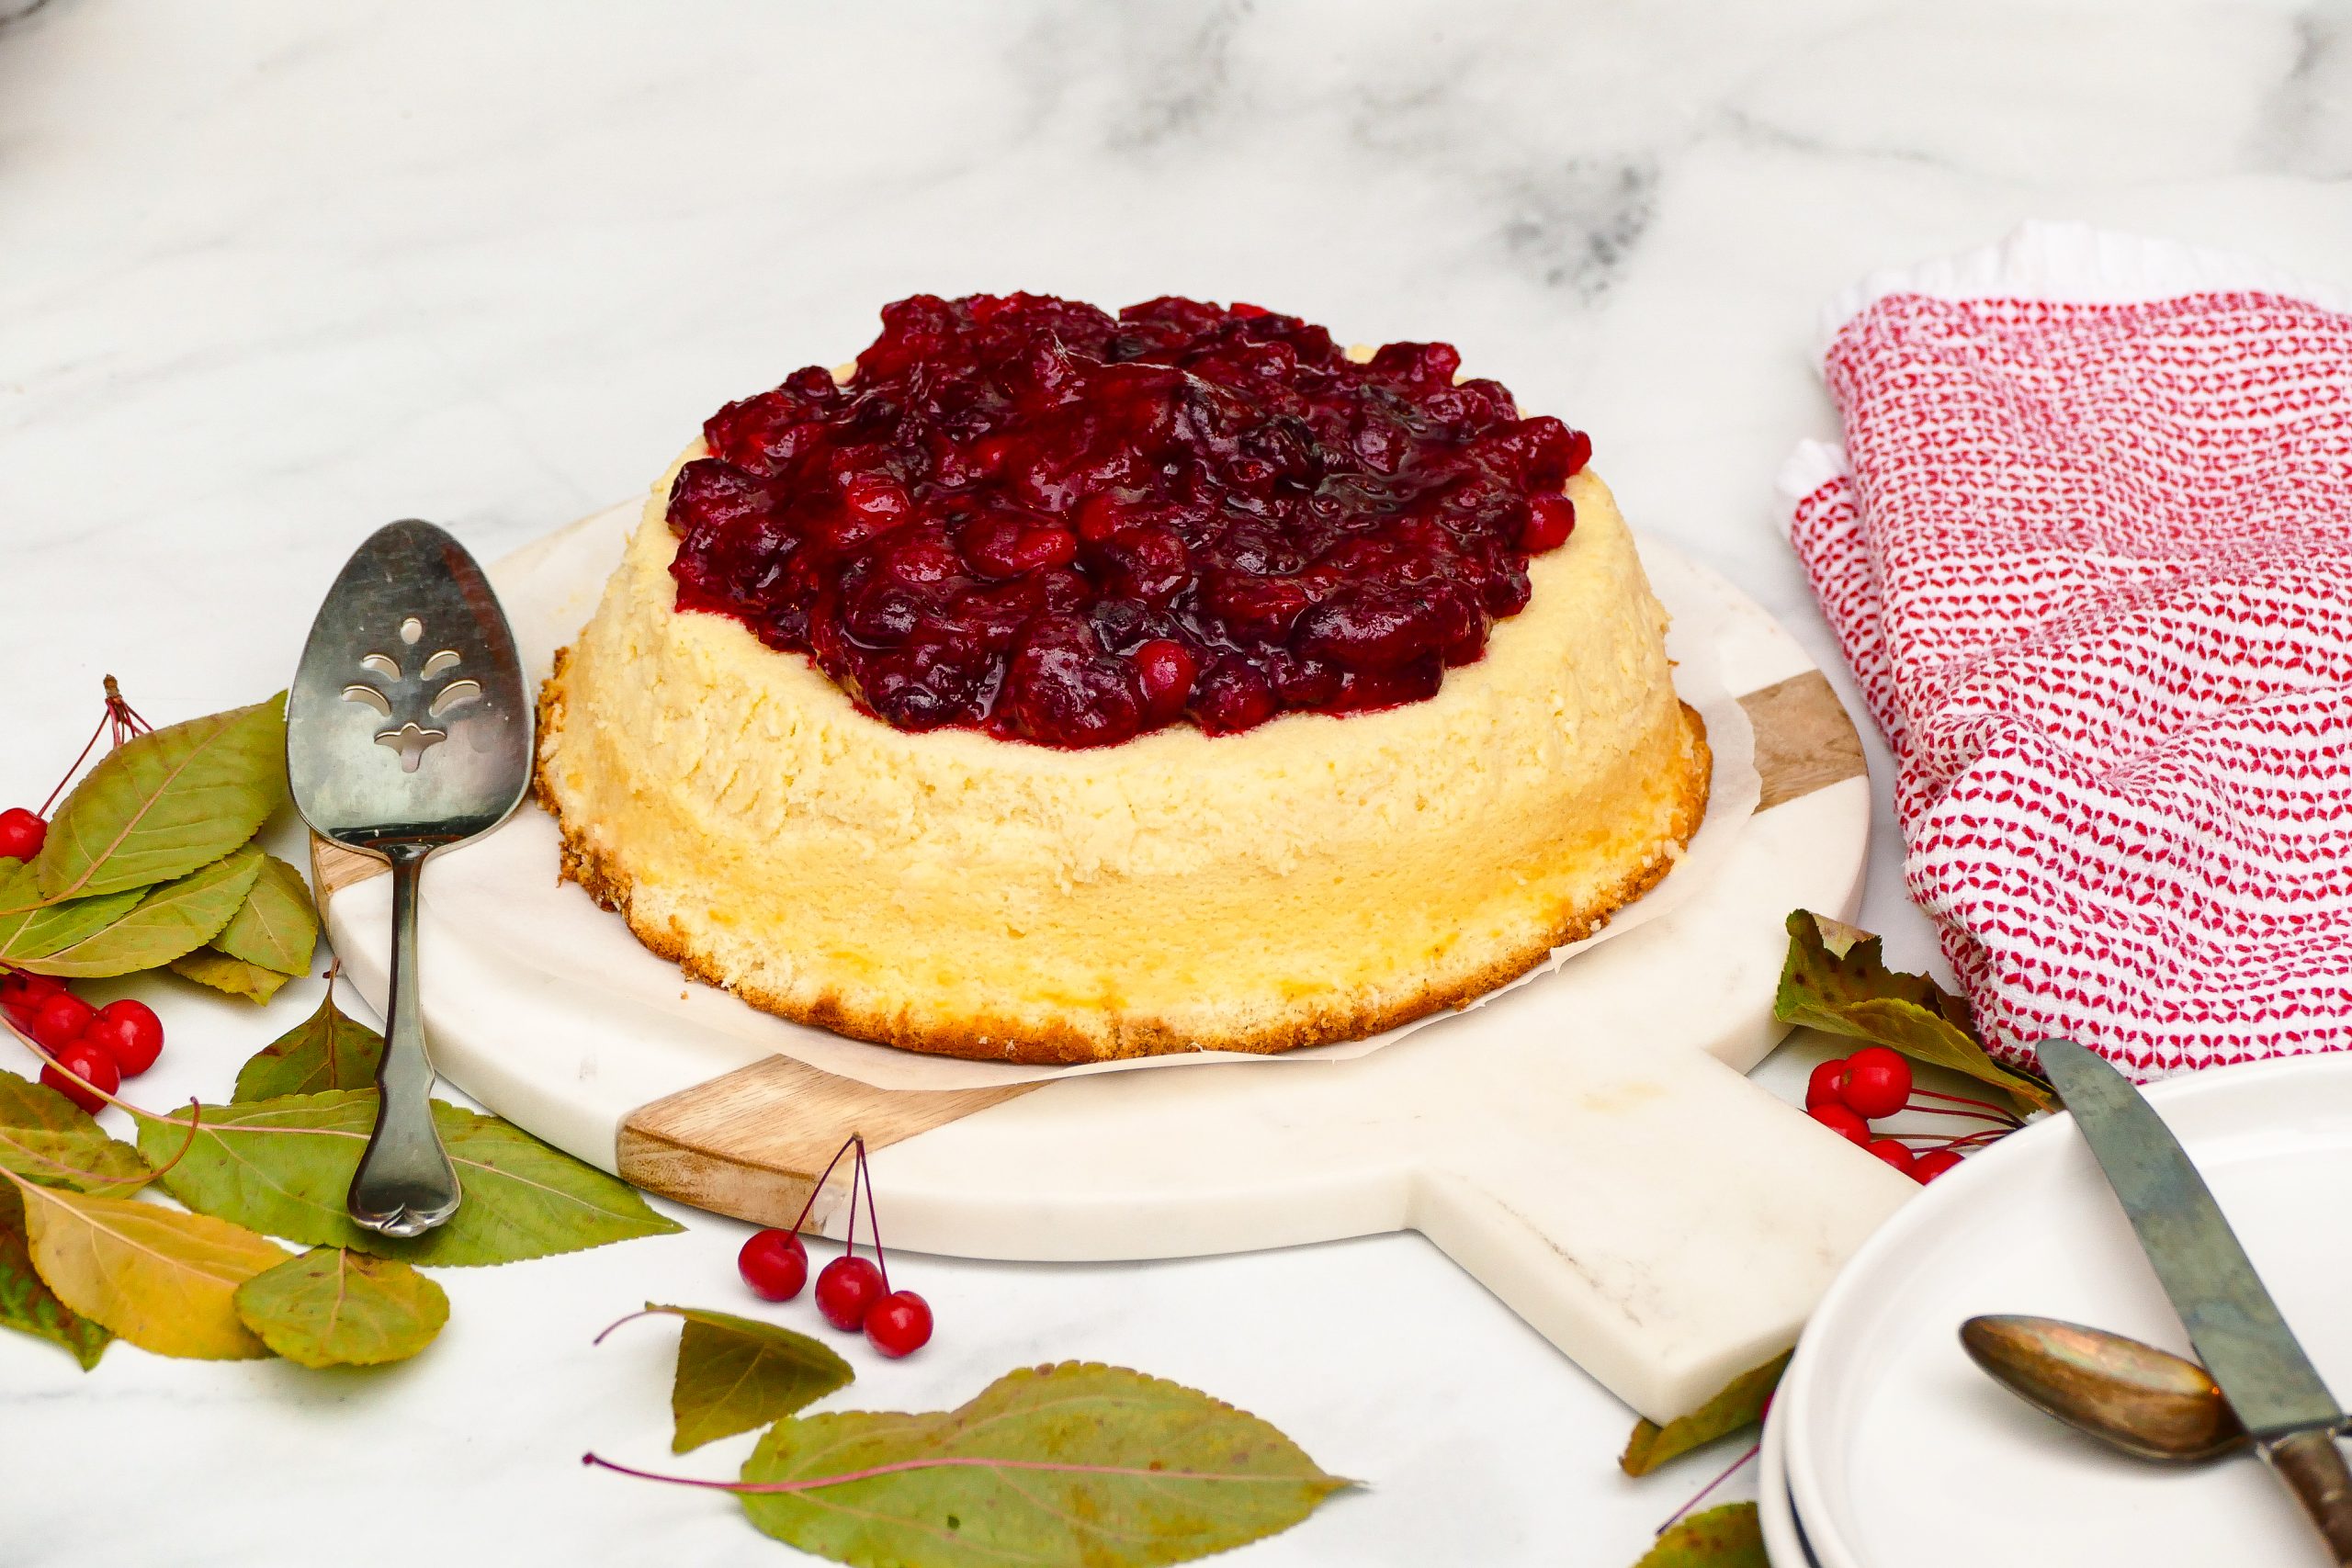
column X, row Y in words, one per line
column 272, row 274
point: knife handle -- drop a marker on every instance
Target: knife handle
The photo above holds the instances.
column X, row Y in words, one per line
column 2314, row 1468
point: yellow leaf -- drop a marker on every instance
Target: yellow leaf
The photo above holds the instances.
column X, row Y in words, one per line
column 335, row 1308
column 163, row 1280
column 234, row 976
column 1728, row 1537
column 1742, row 1402
column 278, row 927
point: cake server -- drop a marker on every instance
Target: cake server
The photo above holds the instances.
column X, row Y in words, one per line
column 408, row 729
column 2235, row 1326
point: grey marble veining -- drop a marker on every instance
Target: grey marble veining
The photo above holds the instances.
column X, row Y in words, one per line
column 271, row 274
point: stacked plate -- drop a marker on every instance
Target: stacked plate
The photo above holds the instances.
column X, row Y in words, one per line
column 1888, row 1449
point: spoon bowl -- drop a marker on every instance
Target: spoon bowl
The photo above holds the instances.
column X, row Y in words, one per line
column 2131, row 1396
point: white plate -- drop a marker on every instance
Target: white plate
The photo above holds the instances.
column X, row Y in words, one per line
column 1901, row 1454
column 1784, row 1540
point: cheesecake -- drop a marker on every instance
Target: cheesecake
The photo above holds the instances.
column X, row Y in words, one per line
column 1057, row 686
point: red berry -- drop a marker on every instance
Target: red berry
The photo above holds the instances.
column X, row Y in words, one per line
column 900, row 1324
column 1934, row 1163
column 21, row 992
column 91, row 1065
column 24, row 982
column 130, row 1032
column 847, row 1289
column 1826, row 1086
column 774, row 1264
column 21, row 833
column 1005, row 547
column 1579, row 451
column 1842, row 1122
column 1165, row 669
column 1892, row 1153
column 1877, row 1082
column 58, row 1020
column 1550, row 520
column 876, row 497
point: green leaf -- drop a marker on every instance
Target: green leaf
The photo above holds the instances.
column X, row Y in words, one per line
column 158, row 807
column 47, row 1138
column 1052, row 1466
column 1835, row 980
column 335, row 1308
column 329, row 1050
column 1741, row 1404
column 735, row 1373
column 161, row 1278
column 207, row 966
column 284, row 1166
column 27, row 1302
column 171, row 921
column 31, row 929
column 1728, row 1537
column 277, row 927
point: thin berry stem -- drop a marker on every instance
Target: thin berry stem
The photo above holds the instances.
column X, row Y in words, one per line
column 846, row 1143
column 649, row 1309
column 75, row 766
column 873, row 1220
column 195, row 1107
column 99, row 1178
column 1938, row 1140
column 2010, row 1122
column 120, row 722
column 1965, row 1100
column 1701, row 1495
column 195, row 1125
column 938, row 1461
column 856, row 1180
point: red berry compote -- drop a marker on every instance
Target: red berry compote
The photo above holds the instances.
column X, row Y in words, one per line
column 1025, row 516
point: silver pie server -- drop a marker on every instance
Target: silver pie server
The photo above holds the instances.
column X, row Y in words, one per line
column 408, row 729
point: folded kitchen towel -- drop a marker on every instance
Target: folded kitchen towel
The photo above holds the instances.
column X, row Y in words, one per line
column 2088, row 548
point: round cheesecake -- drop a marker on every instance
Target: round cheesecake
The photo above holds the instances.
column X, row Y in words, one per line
column 1058, row 687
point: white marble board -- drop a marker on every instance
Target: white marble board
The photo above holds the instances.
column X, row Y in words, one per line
column 1586, row 1146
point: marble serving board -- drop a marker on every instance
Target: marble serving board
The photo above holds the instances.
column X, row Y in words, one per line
column 1587, row 1146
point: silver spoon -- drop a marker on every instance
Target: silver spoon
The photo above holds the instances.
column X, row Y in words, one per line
column 2131, row 1396
column 408, row 729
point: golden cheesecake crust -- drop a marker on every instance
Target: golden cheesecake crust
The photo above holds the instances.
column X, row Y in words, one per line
column 1319, row 879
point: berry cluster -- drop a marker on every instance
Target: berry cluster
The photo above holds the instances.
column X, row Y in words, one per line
column 1849, row 1093
column 853, row 1292
column 90, row 1049
column 1026, row 516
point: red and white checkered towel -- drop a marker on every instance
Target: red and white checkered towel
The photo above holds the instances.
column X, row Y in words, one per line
column 2088, row 548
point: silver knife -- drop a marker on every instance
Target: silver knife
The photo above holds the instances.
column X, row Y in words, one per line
column 2231, row 1318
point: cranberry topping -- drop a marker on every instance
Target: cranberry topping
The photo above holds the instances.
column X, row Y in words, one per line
column 1025, row 516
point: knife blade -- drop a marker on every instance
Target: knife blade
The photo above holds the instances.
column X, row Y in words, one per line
column 2231, row 1318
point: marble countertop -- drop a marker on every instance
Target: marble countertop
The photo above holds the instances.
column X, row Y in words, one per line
column 271, row 274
